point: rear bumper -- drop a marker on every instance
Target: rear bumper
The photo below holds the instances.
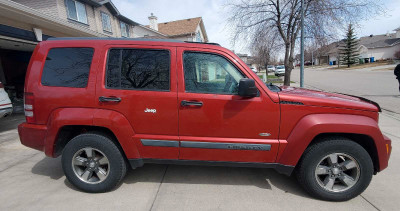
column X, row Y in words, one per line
column 32, row 135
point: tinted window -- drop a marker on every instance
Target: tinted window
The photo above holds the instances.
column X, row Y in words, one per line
column 67, row 67
column 138, row 69
column 210, row 73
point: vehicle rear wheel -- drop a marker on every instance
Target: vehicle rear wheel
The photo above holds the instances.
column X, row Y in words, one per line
column 93, row 163
column 335, row 169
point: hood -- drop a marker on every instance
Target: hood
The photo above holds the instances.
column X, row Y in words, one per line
column 300, row 96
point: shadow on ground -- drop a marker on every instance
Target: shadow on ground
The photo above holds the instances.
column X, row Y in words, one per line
column 261, row 178
column 11, row 122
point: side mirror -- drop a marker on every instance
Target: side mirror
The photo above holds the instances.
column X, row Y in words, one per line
column 247, row 88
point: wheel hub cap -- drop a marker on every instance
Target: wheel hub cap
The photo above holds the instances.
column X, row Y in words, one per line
column 337, row 172
column 90, row 165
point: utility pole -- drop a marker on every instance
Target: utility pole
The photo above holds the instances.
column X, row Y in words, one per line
column 302, row 46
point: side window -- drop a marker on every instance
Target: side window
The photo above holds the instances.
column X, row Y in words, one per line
column 138, row 69
column 210, row 73
column 67, row 67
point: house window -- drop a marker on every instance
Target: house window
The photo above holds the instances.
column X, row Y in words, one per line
column 124, row 29
column 76, row 11
column 106, row 19
column 198, row 37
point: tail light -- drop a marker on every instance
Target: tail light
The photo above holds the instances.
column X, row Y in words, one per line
column 1, row 85
column 29, row 107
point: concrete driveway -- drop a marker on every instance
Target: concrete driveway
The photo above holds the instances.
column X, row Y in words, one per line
column 29, row 180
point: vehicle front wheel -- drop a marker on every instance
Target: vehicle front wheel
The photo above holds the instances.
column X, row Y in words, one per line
column 93, row 163
column 335, row 169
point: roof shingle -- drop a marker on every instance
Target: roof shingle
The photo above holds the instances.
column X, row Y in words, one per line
column 179, row 27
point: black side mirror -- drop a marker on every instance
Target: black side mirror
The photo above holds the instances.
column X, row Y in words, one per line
column 247, row 87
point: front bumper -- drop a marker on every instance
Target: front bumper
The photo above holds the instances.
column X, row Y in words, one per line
column 388, row 143
column 32, row 135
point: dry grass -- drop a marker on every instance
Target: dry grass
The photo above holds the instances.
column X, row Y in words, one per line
column 361, row 66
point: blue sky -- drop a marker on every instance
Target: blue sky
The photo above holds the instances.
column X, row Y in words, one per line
column 214, row 14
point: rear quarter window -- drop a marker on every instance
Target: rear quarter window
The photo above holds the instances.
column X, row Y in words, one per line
column 67, row 67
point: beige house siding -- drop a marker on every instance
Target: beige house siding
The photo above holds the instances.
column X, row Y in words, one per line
column 48, row 7
column 58, row 8
column 90, row 14
column 142, row 31
column 383, row 53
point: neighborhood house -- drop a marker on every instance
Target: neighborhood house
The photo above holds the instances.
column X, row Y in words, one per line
column 371, row 48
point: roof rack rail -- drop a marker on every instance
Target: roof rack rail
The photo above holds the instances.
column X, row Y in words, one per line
column 113, row 38
column 208, row 43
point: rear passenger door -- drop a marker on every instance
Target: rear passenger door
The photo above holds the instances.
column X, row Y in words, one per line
column 140, row 82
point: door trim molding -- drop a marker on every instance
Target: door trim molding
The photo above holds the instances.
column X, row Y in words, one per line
column 159, row 143
column 222, row 145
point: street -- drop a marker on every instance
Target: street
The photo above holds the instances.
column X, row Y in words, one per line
column 378, row 84
column 29, row 180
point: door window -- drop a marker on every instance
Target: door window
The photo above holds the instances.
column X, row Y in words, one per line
column 138, row 69
column 210, row 73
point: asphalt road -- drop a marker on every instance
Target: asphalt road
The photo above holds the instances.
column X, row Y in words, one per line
column 378, row 83
column 29, row 180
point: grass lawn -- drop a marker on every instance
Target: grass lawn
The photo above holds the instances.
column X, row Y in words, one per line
column 360, row 66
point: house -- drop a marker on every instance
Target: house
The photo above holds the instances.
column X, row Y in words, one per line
column 191, row 29
column 371, row 48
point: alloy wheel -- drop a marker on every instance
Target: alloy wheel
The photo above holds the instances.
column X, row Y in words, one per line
column 337, row 172
column 90, row 165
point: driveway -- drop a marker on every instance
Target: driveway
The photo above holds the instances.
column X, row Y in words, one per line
column 29, row 180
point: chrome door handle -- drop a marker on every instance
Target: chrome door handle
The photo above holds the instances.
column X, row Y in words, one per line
column 191, row 103
column 110, row 99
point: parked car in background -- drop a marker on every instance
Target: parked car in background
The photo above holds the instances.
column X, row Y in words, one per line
column 254, row 69
column 270, row 68
column 5, row 103
column 102, row 121
column 280, row 70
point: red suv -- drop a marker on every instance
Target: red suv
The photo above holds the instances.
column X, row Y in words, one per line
column 106, row 104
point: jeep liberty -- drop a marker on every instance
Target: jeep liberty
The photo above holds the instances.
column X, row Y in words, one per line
column 106, row 104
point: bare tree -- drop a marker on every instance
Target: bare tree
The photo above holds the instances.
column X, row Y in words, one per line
column 323, row 18
column 263, row 48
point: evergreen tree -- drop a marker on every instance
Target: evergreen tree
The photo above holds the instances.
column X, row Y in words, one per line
column 348, row 51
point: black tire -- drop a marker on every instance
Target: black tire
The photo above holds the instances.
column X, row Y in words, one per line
column 117, row 165
column 306, row 169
